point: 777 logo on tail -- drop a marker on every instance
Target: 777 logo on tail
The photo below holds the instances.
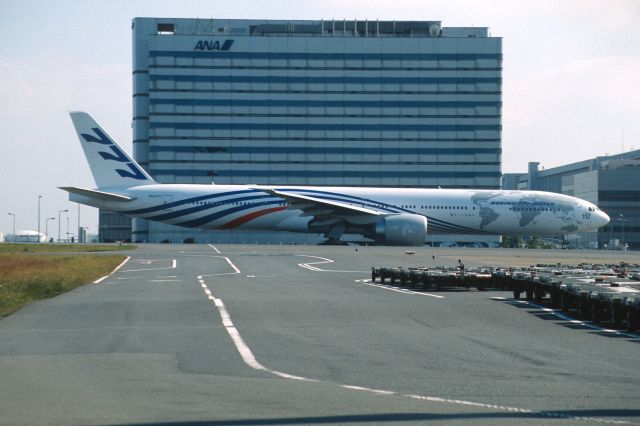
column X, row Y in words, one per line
column 117, row 155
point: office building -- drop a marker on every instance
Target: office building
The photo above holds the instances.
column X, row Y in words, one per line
column 328, row 102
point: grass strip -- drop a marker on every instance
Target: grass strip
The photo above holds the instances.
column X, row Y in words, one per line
column 25, row 278
column 61, row 248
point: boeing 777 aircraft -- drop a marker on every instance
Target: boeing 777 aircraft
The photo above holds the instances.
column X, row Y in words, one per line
column 391, row 216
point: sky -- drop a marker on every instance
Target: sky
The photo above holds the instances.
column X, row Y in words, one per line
column 571, row 81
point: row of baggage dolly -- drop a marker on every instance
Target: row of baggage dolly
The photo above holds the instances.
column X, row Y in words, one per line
column 597, row 293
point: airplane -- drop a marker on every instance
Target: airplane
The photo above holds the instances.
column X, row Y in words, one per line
column 386, row 216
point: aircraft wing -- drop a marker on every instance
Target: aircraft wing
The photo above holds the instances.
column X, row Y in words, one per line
column 312, row 206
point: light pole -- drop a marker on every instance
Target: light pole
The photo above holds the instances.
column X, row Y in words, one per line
column 14, row 226
column 611, row 245
column 79, row 229
column 39, row 198
column 46, row 226
column 622, row 221
column 60, row 211
column 67, row 229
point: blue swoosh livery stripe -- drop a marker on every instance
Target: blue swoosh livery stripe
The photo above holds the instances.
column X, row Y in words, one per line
column 433, row 223
column 160, row 207
column 199, row 208
column 201, row 221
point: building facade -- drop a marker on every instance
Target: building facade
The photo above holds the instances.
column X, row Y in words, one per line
column 354, row 103
column 113, row 227
column 610, row 182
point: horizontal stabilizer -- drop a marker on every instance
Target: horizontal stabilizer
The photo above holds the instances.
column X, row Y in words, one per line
column 100, row 195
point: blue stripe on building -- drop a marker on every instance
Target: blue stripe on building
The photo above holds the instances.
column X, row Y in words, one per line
column 322, row 80
column 322, row 150
column 326, row 56
column 327, row 126
column 387, row 103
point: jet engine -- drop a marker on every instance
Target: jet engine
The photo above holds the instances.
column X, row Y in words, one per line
column 401, row 230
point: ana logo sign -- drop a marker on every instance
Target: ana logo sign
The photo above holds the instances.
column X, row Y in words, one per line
column 213, row 45
column 114, row 155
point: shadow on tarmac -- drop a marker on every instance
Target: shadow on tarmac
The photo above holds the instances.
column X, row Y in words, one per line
column 577, row 415
column 549, row 316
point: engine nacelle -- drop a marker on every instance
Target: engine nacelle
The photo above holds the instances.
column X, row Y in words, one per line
column 401, row 230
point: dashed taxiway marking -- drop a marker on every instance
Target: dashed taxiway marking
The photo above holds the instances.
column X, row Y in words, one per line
column 397, row 289
column 249, row 358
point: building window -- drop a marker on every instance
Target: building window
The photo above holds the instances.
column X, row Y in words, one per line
column 166, row 29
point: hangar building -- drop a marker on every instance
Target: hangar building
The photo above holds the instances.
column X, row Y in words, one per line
column 610, row 182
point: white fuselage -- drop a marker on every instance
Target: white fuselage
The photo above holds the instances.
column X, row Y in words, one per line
column 448, row 211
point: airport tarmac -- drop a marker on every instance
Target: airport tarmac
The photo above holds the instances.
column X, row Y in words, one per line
column 266, row 335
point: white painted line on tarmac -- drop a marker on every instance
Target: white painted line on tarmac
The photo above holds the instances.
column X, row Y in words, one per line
column 235, row 268
column 291, row 376
column 324, row 260
column 361, row 388
column 236, row 271
column 174, row 264
column 215, row 248
column 249, row 358
column 157, row 278
column 242, row 348
column 398, row 290
column 99, row 280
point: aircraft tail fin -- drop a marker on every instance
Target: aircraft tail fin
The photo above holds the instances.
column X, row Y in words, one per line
column 110, row 165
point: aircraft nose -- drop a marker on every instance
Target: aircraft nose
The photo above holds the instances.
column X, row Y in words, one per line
column 602, row 218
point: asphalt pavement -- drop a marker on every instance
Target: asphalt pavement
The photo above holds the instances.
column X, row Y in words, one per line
column 262, row 335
